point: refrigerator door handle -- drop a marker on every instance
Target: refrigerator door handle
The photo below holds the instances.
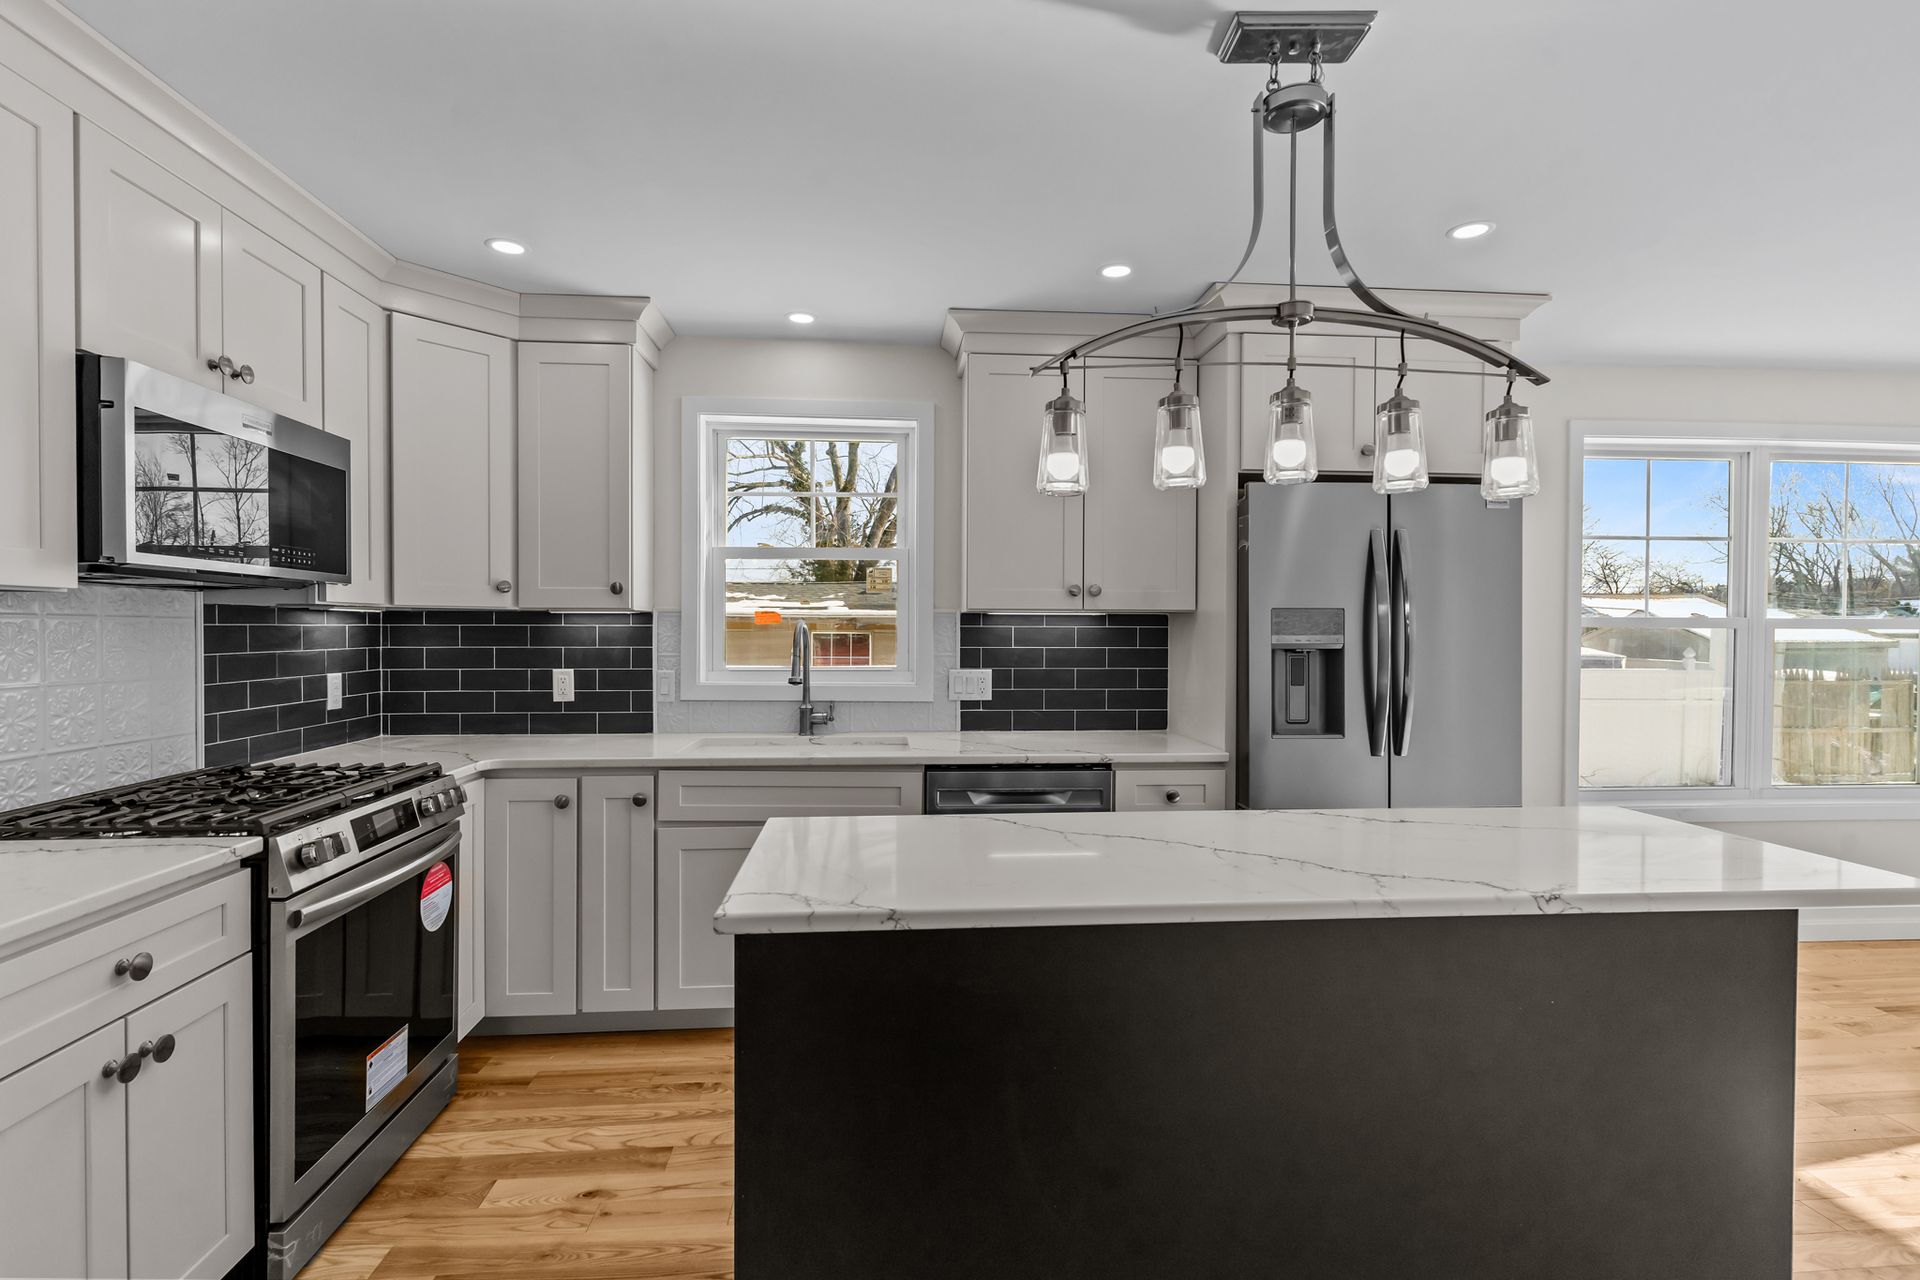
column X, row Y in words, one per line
column 1374, row 626
column 1402, row 646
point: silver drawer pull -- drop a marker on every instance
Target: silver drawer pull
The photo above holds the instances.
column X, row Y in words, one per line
column 136, row 966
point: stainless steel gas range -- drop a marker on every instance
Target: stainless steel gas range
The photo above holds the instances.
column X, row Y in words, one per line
column 356, row 942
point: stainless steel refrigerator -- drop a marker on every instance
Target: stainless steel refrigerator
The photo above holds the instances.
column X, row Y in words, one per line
column 1379, row 647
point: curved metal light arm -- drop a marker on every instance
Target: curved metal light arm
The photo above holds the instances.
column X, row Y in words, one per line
column 1340, row 260
column 1390, row 321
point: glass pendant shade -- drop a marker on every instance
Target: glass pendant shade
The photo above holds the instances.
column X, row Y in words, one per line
column 1179, row 455
column 1399, row 446
column 1063, row 448
column 1510, row 470
column 1291, row 456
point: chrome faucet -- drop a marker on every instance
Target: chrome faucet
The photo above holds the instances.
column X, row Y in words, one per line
column 801, row 673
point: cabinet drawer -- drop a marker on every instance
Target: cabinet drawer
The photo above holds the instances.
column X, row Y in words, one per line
column 754, row 795
column 1156, row 788
column 55, row 994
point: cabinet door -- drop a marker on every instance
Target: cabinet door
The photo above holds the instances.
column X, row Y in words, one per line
column 149, row 262
column 1339, row 380
column 471, row 891
column 270, row 320
column 452, row 451
column 616, row 893
column 577, row 494
column 353, row 363
column 63, row 1163
column 1022, row 547
column 1140, row 542
column 696, row 867
column 37, row 337
column 190, row 1128
column 532, row 901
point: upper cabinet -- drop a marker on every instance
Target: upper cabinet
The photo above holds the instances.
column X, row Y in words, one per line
column 452, row 467
column 353, row 363
column 583, row 477
column 172, row 280
column 1124, row 546
column 37, row 518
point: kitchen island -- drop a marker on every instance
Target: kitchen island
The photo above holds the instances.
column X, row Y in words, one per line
column 1487, row 1043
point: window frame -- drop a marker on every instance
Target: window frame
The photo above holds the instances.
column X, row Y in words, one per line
column 1752, row 450
column 707, row 423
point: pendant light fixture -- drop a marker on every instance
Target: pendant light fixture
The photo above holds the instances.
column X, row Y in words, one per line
column 1399, row 442
column 1179, row 453
column 1399, row 450
column 1510, row 469
column 1063, row 445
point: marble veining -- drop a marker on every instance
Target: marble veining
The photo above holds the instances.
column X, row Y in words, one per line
column 838, row 874
column 46, row 885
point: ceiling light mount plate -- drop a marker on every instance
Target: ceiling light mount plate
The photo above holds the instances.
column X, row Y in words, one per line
column 1253, row 36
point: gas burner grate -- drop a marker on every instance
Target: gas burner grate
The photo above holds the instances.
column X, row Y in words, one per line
column 232, row 800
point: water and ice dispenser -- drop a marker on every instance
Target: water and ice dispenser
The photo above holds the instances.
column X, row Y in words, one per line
column 1309, row 655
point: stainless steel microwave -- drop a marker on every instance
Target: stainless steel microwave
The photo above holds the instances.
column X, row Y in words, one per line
column 182, row 482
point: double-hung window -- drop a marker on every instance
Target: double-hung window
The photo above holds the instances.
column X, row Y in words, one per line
column 814, row 513
column 1747, row 625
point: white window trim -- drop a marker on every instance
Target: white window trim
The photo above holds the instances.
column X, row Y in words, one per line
column 702, row 595
column 1753, row 797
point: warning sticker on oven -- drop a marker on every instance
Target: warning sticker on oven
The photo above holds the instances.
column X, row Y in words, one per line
column 386, row 1067
column 436, row 896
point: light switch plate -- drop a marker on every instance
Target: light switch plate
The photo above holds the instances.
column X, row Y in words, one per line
column 336, row 691
column 970, row 684
column 563, row 684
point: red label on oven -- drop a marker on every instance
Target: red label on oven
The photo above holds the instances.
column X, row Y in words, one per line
column 436, row 896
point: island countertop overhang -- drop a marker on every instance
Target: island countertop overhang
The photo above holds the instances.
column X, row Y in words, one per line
column 879, row 873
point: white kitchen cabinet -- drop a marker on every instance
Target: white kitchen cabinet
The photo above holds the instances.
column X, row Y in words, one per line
column 353, row 362
column 38, row 522
column 532, row 896
column 470, row 978
column 189, row 1128
column 583, row 478
column 270, row 308
column 172, row 280
column 63, row 1162
column 452, row 472
column 1148, row 787
column 616, row 893
column 1025, row 550
column 696, row 866
column 1339, row 379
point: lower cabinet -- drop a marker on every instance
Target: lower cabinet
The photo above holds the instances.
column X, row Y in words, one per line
column 532, row 899
column 696, row 864
column 616, row 894
column 130, row 1151
column 470, row 978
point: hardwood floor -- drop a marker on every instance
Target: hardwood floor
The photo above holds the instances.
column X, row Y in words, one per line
column 599, row 1157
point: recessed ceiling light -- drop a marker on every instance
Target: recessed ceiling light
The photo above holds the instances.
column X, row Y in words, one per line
column 1116, row 270
column 800, row 317
column 1469, row 230
column 506, row 246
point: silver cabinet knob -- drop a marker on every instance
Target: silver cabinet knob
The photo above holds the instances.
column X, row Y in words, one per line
column 1173, row 797
column 618, row 588
column 159, row 1050
column 1074, row 590
column 504, row 587
column 1094, row 590
column 561, row 802
column 222, row 365
column 136, row 966
column 244, row 373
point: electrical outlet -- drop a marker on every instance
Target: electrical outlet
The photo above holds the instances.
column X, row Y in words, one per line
column 563, row 684
column 336, row 691
column 663, row 686
column 970, row 684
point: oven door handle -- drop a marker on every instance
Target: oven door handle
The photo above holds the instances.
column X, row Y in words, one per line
column 327, row 908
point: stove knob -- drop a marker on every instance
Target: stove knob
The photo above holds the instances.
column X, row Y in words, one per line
column 336, row 846
column 429, row 805
column 460, row 791
column 312, row 855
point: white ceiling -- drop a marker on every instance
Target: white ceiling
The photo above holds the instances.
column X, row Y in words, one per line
column 1694, row 181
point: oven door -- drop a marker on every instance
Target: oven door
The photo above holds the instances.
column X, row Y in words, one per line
column 360, row 973
column 186, row 481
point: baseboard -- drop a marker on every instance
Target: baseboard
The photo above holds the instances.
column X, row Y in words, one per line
column 1859, row 924
column 572, row 1023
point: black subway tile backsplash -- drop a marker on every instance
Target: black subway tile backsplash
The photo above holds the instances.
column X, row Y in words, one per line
column 1061, row 671
column 266, row 692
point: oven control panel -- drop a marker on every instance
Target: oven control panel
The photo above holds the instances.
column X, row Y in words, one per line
column 381, row 825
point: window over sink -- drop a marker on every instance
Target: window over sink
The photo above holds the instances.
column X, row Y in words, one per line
column 809, row 512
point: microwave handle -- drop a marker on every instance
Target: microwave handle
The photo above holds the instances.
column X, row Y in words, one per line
column 328, row 908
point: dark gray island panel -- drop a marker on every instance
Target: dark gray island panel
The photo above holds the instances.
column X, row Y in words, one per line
column 1585, row 1097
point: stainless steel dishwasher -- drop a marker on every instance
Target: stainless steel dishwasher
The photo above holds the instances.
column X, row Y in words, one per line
column 1020, row 789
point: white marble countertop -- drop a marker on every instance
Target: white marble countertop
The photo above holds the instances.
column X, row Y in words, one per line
column 464, row 756
column 840, row 874
column 46, row 885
